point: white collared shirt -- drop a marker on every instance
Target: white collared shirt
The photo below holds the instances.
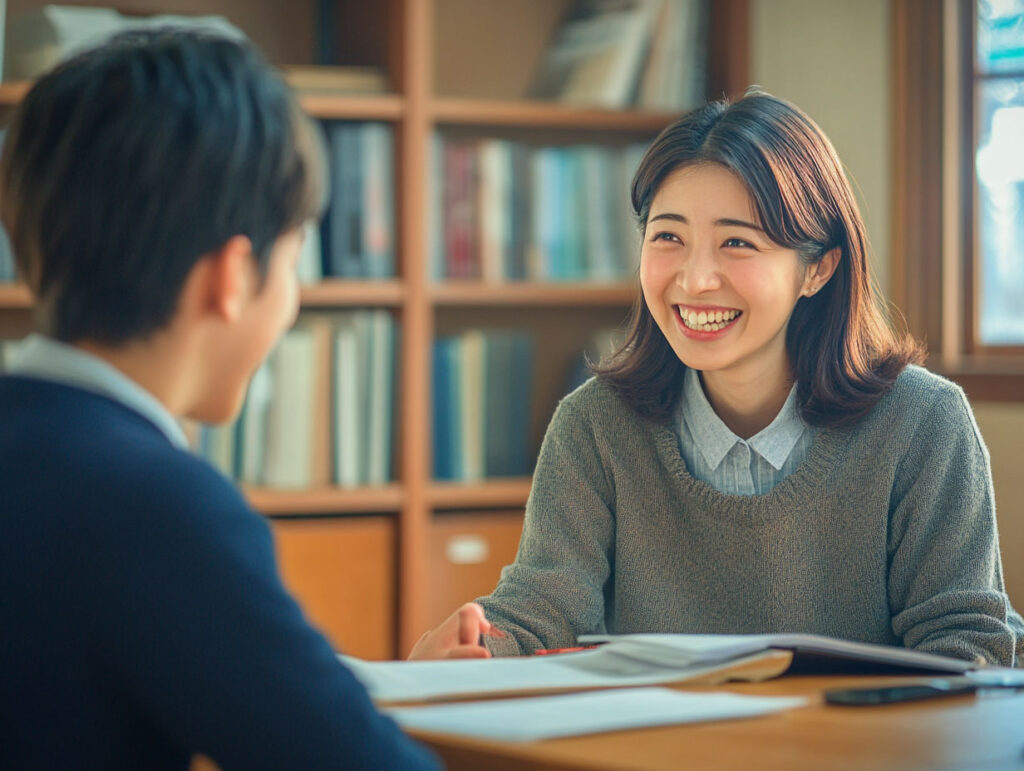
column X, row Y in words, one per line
column 47, row 359
column 714, row 454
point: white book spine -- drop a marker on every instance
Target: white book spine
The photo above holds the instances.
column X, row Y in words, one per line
column 471, row 350
column 290, row 419
column 346, row 402
column 378, row 443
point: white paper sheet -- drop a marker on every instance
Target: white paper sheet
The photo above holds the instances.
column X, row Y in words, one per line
column 548, row 717
column 395, row 681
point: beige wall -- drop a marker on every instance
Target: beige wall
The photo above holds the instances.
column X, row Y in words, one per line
column 832, row 58
column 1002, row 425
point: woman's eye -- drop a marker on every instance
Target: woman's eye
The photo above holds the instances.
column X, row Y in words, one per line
column 664, row 236
column 738, row 243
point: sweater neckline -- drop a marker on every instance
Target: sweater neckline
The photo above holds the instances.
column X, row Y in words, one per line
column 806, row 481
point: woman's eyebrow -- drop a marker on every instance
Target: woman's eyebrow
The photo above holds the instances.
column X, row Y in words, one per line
column 670, row 216
column 723, row 221
column 738, row 223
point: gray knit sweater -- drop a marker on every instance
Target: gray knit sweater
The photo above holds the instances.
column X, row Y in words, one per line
column 886, row 533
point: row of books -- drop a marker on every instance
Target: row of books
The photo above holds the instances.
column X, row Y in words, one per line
column 620, row 53
column 356, row 238
column 506, row 211
column 482, row 388
column 502, row 211
column 320, row 410
column 359, row 229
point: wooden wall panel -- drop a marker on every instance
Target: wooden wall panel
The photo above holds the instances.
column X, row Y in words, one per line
column 342, row 571
column 467, row 553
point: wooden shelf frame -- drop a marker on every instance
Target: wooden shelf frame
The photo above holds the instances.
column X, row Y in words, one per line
column 488, row 494
column 326, row 500
column 545, row 115
column 384, row 107
column 569, row 295
column 339, row 292
column 417, row 109
column 15, row 296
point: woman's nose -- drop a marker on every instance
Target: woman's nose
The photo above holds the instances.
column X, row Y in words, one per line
column 699, row 273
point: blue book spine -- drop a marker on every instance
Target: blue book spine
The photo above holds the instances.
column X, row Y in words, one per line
column 519, row 214
column 345, row 210
column 557, row 173
column 378, row 189
column 390, row 384
column 520, row 404
column 7, row 270
column 574, row 215
column 444, row 436
column 497, row 374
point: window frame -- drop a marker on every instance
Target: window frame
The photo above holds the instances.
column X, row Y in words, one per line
column 936, row 251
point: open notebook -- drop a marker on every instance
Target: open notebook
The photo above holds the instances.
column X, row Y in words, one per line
column 811, row 653
column 638, row 660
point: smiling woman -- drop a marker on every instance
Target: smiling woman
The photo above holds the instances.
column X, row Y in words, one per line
column 721, row 291
column 763, row 454
column 771, row 186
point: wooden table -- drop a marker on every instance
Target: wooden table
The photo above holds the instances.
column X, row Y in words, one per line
column 965, row 732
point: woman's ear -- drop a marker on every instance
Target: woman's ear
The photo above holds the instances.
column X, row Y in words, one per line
column 820, row 272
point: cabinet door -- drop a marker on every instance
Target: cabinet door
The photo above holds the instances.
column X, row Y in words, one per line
column 342, row 572
column 467, row 553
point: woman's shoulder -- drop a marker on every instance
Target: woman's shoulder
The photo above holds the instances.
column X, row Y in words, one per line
column 595, row 396
column 598, row 404
column 916, row 385
column 917, row 399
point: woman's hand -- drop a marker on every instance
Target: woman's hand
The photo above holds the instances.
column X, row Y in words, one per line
column 458, row 637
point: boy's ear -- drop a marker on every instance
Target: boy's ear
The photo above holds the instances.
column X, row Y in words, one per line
column 229, row 278
column 820, row 272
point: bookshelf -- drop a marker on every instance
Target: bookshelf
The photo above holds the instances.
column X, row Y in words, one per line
column 368, row 563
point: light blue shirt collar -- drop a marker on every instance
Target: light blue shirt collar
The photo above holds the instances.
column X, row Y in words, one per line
column 714, row 439
column 44, row 358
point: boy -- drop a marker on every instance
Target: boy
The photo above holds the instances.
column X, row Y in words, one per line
column 154, row 190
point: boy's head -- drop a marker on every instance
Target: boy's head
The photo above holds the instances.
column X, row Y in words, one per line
column 129, row 164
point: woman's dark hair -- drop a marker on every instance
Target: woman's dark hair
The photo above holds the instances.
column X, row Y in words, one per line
column 127, row 164
column 843, row 350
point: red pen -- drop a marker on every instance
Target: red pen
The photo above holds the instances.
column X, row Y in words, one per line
column 549, row 651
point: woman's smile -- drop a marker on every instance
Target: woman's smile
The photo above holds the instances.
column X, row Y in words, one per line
column 706, row 323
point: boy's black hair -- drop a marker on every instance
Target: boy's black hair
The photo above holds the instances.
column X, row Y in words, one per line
column 127, row 164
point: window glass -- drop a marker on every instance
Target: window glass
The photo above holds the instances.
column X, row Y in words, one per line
column 1000, row 36
column 1000, row 172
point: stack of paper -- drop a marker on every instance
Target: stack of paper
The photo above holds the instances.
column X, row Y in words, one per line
column 584, row 713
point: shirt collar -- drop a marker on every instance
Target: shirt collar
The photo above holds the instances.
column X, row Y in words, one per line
column 714, row 439
column 47, row 359
column 776, row 441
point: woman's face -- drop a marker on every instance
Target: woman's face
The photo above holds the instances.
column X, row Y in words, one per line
column 719, row 289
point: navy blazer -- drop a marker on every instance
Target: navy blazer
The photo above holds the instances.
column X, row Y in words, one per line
column 142, row 618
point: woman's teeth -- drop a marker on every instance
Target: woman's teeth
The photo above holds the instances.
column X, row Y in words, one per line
column 706, row 321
